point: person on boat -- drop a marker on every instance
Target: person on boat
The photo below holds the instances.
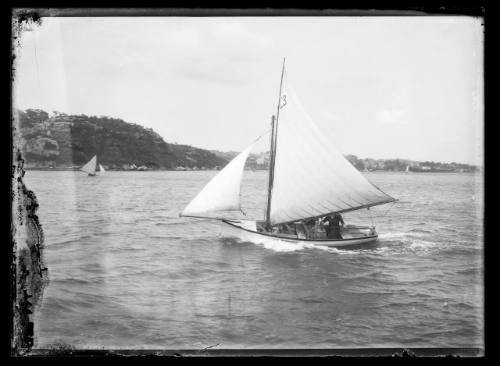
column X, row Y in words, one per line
column 310, row 222
column 333, row 226
column 309, row 227
column 282, row 229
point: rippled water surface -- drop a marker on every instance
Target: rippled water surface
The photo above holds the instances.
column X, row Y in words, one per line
column 126, row 272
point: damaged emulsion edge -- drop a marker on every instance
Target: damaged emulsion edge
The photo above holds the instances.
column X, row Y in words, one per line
column 29, row 275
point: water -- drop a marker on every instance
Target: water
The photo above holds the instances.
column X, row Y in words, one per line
column 127, row 272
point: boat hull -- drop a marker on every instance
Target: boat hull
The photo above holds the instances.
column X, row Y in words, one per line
column 244, row 230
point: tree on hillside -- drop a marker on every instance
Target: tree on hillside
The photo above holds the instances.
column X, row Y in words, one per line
column 31, row 117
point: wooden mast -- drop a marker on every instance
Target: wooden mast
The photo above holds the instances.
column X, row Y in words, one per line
column 272, row 152
column 271, row 177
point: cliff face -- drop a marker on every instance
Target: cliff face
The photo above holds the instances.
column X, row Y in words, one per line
column 63, row 141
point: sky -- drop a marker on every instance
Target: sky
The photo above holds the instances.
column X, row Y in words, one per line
column 386, row 87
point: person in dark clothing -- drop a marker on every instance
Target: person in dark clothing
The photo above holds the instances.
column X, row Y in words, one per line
column 333, row 226
column 310, row 222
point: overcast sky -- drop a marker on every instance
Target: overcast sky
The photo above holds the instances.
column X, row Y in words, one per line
column 388, row 87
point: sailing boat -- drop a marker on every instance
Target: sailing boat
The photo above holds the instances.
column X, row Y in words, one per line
column 407, row 169
column 92, row 167
column 308, row 180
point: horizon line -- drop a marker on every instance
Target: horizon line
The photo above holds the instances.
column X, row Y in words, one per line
column 52, row 114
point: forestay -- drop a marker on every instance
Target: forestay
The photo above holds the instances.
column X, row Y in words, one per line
column 222, row 193
column 90, row 167
column 311, row 178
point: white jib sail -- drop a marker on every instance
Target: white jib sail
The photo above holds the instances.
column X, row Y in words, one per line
column 101, row 169
column 90, row 167
column 311, row 178
column 222, row 193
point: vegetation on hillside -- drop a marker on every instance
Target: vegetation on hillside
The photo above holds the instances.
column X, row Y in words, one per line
column 62, row 140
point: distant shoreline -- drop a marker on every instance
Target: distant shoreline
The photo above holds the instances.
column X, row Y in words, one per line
column 63, row 142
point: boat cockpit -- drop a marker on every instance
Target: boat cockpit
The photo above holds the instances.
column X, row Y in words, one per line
column 301, row 230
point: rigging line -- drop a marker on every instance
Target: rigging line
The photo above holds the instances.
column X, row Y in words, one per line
column 371, row 217
column 263, row 134
column 220, row 231
column 272, row 151
column 387, row 211
column 266, row 131
column 254, row 142
column 281, row 85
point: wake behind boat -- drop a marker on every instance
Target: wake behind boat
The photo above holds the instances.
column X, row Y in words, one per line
column 310, row 184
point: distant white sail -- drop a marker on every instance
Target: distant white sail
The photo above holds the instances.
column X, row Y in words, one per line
column 90, row 167
column 222, row 193
column 101, row 169
column 311, row 178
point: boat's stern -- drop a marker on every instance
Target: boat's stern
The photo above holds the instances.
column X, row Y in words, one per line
column 353, row 231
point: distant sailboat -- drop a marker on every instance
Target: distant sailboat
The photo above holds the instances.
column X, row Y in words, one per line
column 308, row 179
column 407, row 169
column 91, row 168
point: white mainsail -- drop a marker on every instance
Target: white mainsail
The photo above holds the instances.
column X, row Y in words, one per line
column 222, row 193
column 90, row 167
column 311, row 178
column 101, row 169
